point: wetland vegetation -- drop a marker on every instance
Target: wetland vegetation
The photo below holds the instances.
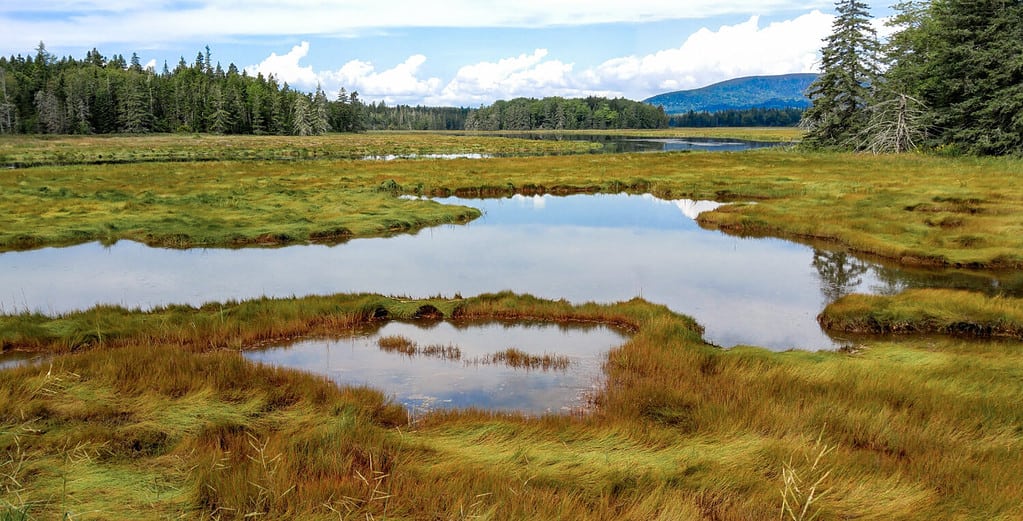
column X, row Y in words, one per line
column 155, row 413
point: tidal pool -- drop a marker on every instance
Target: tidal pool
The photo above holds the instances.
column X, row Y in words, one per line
column 423, row 382
column 602, row 248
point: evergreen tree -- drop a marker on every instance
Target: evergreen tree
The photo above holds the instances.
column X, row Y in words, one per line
column 972, row 79
column 842, row 92
column 220, row 119
column 134, row 112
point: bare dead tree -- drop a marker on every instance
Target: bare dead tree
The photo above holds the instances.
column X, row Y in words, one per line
column 6, row 107
column 896, row 125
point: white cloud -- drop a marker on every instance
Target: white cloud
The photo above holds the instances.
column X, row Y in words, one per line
column 523, row 75
column 286, row 68
column 400, row 84
column 96, row 22
column 705, row 57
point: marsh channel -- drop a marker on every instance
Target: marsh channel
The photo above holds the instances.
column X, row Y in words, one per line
column 604, row 248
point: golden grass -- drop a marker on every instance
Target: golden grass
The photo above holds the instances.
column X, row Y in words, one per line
column 920, row 429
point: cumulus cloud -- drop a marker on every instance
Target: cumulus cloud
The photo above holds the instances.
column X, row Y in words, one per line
column 707, row 56
column 400, row 84
column 286, row 68
column 523, row 75
column 96, row 22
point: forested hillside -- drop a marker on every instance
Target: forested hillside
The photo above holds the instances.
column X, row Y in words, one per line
column 762, row 92
column 556, row 113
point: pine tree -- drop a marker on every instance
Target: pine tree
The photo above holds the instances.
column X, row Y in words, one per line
column 849, row 71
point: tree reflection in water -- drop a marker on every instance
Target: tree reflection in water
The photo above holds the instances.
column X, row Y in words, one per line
column 840, row 272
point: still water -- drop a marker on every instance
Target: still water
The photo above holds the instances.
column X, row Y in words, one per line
column 423, row 383
column 602, row 248
column 616, row 144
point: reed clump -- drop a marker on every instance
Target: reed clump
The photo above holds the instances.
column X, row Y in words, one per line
column 408, row 347
column 519, row 359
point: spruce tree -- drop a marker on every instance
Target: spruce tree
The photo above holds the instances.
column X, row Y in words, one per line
column 843, row 91
column 974, row 76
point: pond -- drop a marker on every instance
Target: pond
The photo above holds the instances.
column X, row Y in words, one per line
column 602, row 248
column 452, row 365
column 617, row 144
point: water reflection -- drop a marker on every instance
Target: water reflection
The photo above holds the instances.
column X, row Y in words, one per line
column 840, row 273
column 18, row 358
column 424, row 382
column 602, row 248
column 394, row 157
column 617, row 144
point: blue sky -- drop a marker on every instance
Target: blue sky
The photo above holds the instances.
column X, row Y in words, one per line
column 456, row 53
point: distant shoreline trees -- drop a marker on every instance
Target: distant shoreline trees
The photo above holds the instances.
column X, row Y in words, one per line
column 557, row 113
column 755, row 117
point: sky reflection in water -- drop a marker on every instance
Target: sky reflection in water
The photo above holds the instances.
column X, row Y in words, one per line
column 601, row 248
column 423, row 383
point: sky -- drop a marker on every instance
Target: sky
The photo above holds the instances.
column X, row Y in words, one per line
column 464, row 53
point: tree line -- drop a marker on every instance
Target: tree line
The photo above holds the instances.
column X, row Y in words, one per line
column 380, row 116
column 46, row 94
column 42, row 93
column 950, row 78
column 755, row 117
column 557, row 113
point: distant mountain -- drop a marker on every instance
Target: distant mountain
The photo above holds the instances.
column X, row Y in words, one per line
column 766, row 92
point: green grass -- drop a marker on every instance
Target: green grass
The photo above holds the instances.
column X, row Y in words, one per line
column 29, row 151
column 928, row 429
column 926, row 311
column 913, row 209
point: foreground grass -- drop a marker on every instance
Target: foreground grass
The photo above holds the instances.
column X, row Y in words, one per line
column 134, row 426
column 926, row 311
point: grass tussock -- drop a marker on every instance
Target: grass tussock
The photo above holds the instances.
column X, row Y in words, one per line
column 914, row 429
column 519, row 359
column 926, row 311
column 407, row 347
